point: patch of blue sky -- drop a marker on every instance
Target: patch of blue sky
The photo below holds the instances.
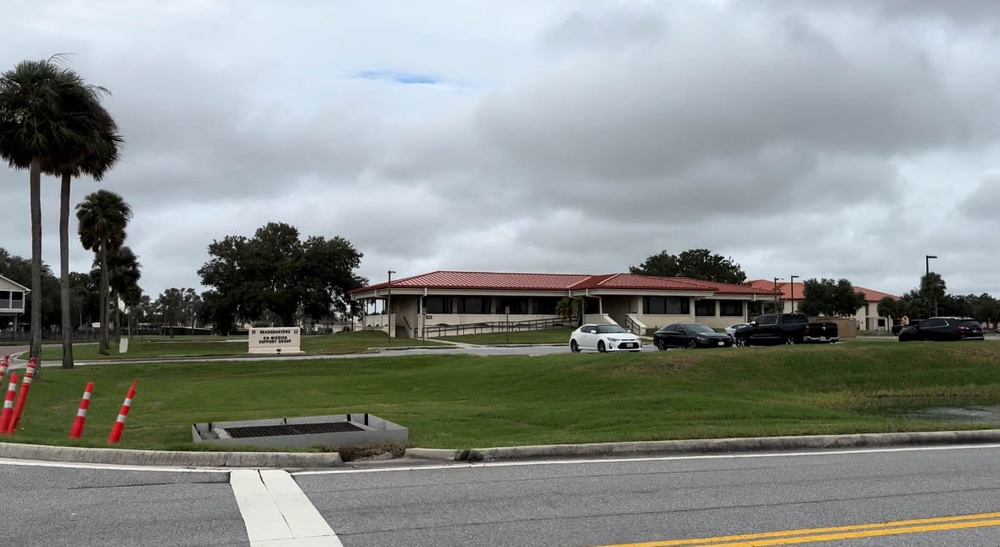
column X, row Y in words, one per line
column 400, row 77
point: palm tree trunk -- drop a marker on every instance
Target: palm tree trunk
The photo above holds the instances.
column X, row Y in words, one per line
column 103, row 345
column 35, row 177
column 67, row 320
column 116, row 334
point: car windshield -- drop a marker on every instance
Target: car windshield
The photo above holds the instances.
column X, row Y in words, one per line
column 610, row 329
column 700, row 328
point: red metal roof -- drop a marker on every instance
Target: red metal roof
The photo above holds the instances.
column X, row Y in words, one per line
column 784, row 290
column 558, row 282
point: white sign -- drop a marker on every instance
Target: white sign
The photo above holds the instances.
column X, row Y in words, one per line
column 275, row 340
column 123, row 345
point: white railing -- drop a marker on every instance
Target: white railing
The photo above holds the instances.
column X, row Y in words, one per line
column 634, row 325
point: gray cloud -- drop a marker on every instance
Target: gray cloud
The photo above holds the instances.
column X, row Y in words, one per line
column 828, row 139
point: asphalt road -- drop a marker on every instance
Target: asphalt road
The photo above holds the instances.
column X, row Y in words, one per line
column 929, row 497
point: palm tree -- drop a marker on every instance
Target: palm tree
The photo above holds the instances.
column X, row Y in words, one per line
column 96, row 162
column 45, row 119
column 103, row 217
column 123, row 278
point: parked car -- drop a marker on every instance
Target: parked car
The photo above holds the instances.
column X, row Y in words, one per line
column 603, row 338
column 786, row 328
column 690, row 335
column 731, row 329
column 943, row 329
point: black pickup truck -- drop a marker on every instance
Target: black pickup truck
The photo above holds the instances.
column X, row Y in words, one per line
column 785, row 328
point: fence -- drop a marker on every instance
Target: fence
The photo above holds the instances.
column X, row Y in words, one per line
column 18, row 338
column 434, row 331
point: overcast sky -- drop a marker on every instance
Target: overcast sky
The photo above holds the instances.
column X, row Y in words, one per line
column 826, row 138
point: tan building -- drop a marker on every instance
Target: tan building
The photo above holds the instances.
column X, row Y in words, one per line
column 445, row 303
column 867, row 318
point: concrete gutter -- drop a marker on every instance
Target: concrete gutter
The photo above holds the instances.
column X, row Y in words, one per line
column 710, row 446
column 301, row 460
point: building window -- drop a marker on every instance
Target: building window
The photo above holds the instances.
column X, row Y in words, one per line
column 544, row 305
column 518, row 305
column 666, row 305
column 731, row 308
column 474, row 304
column 704, row 308
column 438, row 304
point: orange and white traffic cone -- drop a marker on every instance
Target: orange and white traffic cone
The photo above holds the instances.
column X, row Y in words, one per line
column 22, row 397
column 81, row 413
column 8, row 404
column 116, row 430
column 4, row 364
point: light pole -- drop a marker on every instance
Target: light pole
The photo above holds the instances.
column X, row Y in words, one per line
column 388, row 305
column 776, row 279
column 793, row 278
column 927, row 280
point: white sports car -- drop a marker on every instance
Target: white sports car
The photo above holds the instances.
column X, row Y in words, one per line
column 603, row 338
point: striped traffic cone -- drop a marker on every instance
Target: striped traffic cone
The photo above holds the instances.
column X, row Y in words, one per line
column 3, row 367
column 22, row 398
column 81, row 413
column 8, row 404
column 116, row 430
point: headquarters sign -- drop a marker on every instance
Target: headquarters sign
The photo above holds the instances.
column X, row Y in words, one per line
column 275, row 340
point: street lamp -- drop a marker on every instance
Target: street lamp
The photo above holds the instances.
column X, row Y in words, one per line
column 776, row 279
column 793, row 278
column 927, row 280
column 388, row 305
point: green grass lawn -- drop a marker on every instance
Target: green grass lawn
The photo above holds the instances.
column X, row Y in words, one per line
column 200, row 346
column 545, row 336
column 462, row 401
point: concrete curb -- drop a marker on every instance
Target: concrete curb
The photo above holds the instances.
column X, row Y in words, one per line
column 435, row 454
column 168, row 458
column 298, row 460
column 716, row 446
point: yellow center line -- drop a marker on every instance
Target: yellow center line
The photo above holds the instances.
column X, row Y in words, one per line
column 808, row 535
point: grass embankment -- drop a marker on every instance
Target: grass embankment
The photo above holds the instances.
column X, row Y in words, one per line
column 467, row 401
column 187, row 346
column 545, row 336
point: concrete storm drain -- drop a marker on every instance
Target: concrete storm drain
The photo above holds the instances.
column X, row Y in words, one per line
column 303, row 432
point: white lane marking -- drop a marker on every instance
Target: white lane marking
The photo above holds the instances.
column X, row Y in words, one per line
column 467, row 465
column 114, row 467
column 277, row 512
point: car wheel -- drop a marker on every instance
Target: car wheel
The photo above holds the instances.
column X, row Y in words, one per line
column 601, row 347
column 574, row 347
column 790, row 341
column 659, row 345
column 692, row 344
column 740, row 342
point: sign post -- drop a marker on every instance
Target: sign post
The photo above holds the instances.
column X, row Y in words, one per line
column 506, row 311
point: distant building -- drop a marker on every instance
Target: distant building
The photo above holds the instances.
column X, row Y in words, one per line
column 12, row 298
column 430, row 304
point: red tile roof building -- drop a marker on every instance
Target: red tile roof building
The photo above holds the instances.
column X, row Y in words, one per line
column 422, row 303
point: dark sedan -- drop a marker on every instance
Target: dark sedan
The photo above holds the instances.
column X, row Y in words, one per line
column 943, row 329
column 690, row 335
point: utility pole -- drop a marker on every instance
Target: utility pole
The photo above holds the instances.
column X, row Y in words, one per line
column 793, row 278
column 388, row 306
column 927, row 280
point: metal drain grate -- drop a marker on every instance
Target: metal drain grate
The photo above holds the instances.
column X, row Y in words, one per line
column 290, row 429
